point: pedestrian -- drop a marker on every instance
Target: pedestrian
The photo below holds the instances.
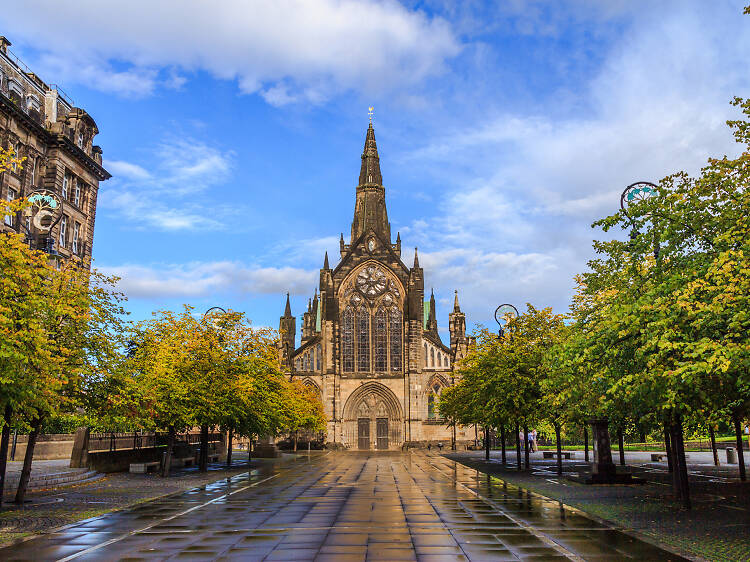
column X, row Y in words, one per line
column 440, row 446
column 534, row 446
column 531, row 440
column 520, row 436
column 429, row 446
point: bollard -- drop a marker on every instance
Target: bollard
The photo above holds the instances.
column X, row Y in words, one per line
column 731, row 456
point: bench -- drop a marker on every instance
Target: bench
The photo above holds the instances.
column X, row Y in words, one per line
column 657, row 457
column 183, row 461
column 213, row 457
column 553, row 454
column 144, row 467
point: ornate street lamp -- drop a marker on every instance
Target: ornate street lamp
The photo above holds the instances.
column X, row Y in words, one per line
column 43, row 213
column 633, row 194
column 503, row 313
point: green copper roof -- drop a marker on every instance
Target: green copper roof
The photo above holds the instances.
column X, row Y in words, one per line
column 426, row 314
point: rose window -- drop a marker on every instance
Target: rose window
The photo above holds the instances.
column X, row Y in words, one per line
column 371, row 281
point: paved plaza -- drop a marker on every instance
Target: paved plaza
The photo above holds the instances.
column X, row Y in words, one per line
column 345, row 506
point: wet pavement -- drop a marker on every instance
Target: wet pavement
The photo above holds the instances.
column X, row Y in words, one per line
column 345, row 506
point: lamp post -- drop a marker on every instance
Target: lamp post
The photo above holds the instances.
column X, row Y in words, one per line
column 503, row 314
column 212, row 316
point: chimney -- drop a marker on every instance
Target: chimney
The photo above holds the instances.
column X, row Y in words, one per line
column 4, row 44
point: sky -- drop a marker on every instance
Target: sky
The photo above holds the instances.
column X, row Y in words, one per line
column 234, row 129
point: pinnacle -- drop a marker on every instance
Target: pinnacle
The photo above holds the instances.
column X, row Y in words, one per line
column 416, row 258
column 325, row 261
column 456, row 307
column 288, row 309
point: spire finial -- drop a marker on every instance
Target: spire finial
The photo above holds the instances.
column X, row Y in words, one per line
column 288, row 309
column 416, row 258
column 456, row 307
column 325, row 261
column 370, row 110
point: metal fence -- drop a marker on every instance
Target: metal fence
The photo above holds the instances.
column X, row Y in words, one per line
column 142, row 440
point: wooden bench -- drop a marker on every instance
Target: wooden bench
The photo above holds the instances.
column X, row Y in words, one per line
column 213, row 457
column 144, row 467
column 657, row 457
column 553, row 454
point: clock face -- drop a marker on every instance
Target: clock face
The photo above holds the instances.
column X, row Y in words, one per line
column 371, row 281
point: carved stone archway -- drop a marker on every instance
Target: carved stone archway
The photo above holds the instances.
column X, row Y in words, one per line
column 373, row 418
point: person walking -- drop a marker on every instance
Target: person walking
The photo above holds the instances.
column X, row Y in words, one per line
column 531, row 440
column 534, row 446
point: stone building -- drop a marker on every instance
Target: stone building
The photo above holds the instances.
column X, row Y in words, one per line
column 57, row 140
column 370, row 343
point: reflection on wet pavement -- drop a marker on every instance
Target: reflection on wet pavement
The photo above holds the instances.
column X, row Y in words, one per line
column 345, row 506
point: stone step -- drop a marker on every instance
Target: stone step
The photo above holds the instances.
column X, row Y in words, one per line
column 43, row 481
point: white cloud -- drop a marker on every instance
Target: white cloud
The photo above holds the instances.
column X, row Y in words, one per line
column 167, row 195
column 525, row 188
column 286, row 50
column 201, row 279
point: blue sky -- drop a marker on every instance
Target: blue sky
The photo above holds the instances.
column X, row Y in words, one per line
column 233, row 130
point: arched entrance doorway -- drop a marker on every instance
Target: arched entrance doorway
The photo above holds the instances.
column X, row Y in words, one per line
column 373, row 418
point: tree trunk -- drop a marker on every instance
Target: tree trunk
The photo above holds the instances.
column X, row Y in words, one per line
column 486, row 442
column 559, row 449
column 502, row 443
column 518, row 447
column 476, row 437
column 203, row 463
column 678, row 445
column 668, row 450
column 295, row 440
column 4, row 449
column 740, row 451
column 621, row 445
column 526, row 446
column 229, row 447
column 712, row 435
column 168, row 454
column 26, row 470
column 586, row 442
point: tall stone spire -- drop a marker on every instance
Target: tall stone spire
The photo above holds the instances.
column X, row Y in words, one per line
column 325, row 262
column 416, row 258
column 369, row 209
column 432, row 318
column 456, row 307
column 288, row 309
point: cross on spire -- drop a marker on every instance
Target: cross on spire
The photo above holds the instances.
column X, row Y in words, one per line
column 370, row 111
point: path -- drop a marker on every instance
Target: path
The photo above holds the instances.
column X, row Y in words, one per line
column 345, row 506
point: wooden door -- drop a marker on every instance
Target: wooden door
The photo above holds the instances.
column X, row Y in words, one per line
column 382, row 433
column 363, row 433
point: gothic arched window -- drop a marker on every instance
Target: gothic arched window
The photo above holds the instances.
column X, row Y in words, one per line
column 425, row 354
column 347, row 340
column 363, row 339
column 396, row 329
column 440, row 360
column 318, row 356
column 380, row 342
column 431, row 407
column 432, row 357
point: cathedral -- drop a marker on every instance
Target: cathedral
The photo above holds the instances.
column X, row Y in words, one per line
column 370, row 344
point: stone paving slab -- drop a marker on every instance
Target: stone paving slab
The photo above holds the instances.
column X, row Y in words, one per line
column 344, row 506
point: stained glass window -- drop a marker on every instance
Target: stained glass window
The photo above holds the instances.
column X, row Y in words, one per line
column 363, row 339
column 347, row 340
column 306, row 361
column 396, row 329
column 380, row 343
column 425, row 354
column 432, row 357
column 431, row 407
column 318, row 358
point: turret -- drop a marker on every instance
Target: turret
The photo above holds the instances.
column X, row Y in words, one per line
column 457, row 329
column 287, row 329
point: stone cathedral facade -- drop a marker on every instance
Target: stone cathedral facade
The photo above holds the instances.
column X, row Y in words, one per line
column 370, row 344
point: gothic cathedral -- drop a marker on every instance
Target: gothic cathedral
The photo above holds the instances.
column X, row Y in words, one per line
column 370, row 343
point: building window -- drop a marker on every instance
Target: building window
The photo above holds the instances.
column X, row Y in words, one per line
column 347, row 340
column 16, row 155
column 381, row 341
column 76, row 232
column 67, row 178
column 425, row 354
column 79, row 141
column 77, row 194
column 432, row 357
column 63, row 230
column 363, row 339
column 306, row 362
column 32, row 171
column 318, row 357
column 396, row 329
column 431, row 407
column 10, row 196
